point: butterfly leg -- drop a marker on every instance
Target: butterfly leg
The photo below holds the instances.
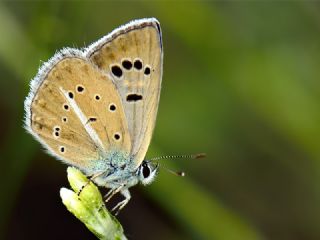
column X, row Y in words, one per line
column 112, row 192
column 82, row 187
column 125, row 192
column 90, row 180
column 108, row 193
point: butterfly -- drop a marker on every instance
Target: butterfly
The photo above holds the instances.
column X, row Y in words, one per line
column 95, row 108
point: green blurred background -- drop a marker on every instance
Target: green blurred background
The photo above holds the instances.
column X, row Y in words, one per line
column 241, row 83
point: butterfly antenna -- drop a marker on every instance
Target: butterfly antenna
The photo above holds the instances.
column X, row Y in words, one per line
column 177, row 173
column 191, row 156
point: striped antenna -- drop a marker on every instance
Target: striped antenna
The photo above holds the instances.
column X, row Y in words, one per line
column 191, row 156
column 178, row 173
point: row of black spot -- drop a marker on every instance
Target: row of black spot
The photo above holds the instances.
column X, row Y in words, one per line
column 127, row 64
column 70, row 94
column 112, row 107
column 116, row 136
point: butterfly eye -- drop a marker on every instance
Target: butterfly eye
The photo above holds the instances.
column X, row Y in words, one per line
column 146, row 171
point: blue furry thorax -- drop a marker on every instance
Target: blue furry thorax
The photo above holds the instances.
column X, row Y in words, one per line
column 113, row 161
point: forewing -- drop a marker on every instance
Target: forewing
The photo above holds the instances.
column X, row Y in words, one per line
column 75, row 111
column 132, row 56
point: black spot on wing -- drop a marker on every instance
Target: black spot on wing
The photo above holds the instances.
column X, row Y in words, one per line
column 134, row 97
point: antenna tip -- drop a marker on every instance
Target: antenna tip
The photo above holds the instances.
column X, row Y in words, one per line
column 181, row 174
column 200, row 155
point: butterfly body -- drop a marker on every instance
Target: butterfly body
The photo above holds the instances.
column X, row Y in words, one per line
column 114, row 170
column 95, row 108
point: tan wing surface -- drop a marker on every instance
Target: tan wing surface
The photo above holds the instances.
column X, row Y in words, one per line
column 76, row 111
column 132, row 56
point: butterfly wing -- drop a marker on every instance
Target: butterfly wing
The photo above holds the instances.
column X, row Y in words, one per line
column 75, row 111
column 132, row 56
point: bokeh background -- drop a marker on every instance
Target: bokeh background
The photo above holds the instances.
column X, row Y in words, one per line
column 241, row 83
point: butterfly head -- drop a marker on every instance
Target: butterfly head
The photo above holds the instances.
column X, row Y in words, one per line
column 147, row 172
